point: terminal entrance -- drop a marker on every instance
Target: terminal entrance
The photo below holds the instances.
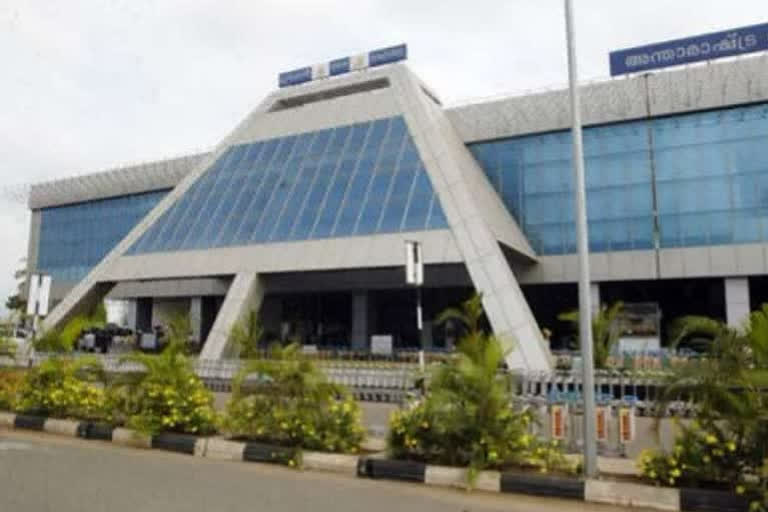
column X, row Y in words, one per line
column 347, row 320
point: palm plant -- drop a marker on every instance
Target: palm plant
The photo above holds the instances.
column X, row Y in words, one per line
column 246, row 335
column 605, row 330
column 728, row 442
column 470, row 317
column 166, row 394
column 467, row 417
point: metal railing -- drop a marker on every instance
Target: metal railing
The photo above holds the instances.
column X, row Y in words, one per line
column 392, row 382
column 640, row 389
column 366, row 380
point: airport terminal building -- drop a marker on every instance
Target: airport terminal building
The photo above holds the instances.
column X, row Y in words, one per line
column 302, row 211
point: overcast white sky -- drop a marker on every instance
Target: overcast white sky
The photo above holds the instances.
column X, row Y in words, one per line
column 89, row 85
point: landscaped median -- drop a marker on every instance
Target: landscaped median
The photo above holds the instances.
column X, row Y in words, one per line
column 376, row 467
column 465, row 432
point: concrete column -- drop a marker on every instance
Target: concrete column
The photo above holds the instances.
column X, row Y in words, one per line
column 594, row 292
column 196, row 317
column 736, row 300
column 359, row 339
column 245, row 293
column 426, row 335
column 130, row 314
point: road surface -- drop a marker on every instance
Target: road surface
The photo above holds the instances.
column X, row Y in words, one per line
column 40, row 473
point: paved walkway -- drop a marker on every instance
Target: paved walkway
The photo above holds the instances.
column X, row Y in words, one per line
column 45, row 473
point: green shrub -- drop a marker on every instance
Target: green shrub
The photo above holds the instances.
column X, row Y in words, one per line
column 167, row 396
column 246, row 336
column 727, row 445
column 64, row 388
column 288, row 401
column 10, row 383
column 7, row 348
column 65, row 338
column 467, row 418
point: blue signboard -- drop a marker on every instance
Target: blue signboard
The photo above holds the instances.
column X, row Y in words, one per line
column 690, row 49
column 339, row 66
column 297, row 76
column 344, row 65
column 387, row 55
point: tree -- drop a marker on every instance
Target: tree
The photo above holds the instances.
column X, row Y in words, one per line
column 15, row 303
column 467, row 418
column 470, row 316
column 605, row 330
column 246, row 335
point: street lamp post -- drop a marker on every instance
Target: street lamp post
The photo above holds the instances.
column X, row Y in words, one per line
column 585, row 308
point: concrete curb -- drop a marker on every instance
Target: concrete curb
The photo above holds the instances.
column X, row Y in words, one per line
column 332, row 462
column 130, row 438
column 7, row 419
column 594, row 491
column 221, row 449
column 61, row 427
column 448, row 476
column 632, row 495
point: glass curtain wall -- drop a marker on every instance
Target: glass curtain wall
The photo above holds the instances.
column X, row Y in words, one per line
column 708, row 171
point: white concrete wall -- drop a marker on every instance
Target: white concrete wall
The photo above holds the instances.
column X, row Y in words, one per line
column 736, row 300
column 675, row 91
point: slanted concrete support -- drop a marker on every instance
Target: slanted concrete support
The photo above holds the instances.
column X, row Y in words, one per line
column 245, row 293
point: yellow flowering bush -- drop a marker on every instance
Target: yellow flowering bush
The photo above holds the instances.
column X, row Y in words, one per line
column 286, row 400
column 166, row 397
column 700, row 457
column 64, row 388
column 10, row 383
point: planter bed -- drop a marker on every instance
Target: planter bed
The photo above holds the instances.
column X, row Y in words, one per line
column 705, row 500
column 265, row 452
column 179, row 443
column 541, row 485
column 29, row 422
column 405, row 470
column 97, row 431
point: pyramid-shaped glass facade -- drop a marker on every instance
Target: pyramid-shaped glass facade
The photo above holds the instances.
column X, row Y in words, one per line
column 359, row 179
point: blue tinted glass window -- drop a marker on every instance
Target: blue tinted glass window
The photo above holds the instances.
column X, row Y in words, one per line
column 710, row 173
column 533, row 176
column 344, row 172
column 359, row 179
column 711, row 181
column 74, row 238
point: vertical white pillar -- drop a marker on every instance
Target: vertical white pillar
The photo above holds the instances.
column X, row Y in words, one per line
column 426, row 335
column 594, row 293
column 130, row 315
column 196, row 317
column 736, row 300
column 359, row 339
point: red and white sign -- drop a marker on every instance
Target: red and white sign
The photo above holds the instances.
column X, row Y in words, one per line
column 626, row 424
column 601, row 423
column 558, row 415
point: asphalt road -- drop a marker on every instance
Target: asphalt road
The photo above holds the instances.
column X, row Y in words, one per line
column 41, row 473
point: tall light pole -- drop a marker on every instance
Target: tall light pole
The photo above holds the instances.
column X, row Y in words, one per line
column 585, row 308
